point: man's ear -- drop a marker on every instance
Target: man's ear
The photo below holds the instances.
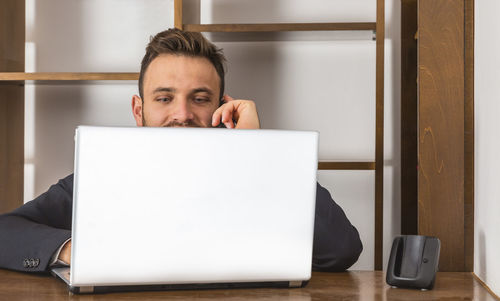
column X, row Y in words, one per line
column 137, row 110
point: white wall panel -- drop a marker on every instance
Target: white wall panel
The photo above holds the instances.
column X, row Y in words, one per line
column 306, row 85
column 487, row 143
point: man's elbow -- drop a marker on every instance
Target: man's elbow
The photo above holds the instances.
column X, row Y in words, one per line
column 352, row 253
column 342, row 258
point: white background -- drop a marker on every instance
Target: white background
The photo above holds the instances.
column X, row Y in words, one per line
column 487, row 143
column 321, row 81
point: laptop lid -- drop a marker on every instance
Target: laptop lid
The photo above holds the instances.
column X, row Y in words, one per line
column 179, row 206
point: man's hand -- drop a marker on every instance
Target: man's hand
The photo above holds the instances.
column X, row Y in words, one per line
column 243, row 112
column 65, row 255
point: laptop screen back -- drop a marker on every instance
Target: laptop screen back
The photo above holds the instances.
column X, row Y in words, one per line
column 173, row 206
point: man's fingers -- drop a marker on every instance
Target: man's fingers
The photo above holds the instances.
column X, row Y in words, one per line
column 65, row 254
column 216, row 117
column 244, row 112
column 227, row 116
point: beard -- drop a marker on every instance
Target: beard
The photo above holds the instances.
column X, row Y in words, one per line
column 174, row 123
column 188, row 124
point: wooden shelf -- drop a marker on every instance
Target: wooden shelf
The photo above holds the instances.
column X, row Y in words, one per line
column 63, row 76
column 346, row 165
column 276, row 27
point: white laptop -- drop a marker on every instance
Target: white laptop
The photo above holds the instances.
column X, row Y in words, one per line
column 183, row 208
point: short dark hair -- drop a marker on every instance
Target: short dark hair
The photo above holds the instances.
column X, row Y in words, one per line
column 178, row 42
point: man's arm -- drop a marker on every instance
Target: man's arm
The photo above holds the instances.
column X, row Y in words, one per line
column 336, row 242
column 30, row 234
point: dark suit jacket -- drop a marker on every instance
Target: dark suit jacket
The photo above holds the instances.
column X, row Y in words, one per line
column 31, row 234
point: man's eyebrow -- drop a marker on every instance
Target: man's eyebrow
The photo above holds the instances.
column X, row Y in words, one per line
column 163, row 89
column 203, row 89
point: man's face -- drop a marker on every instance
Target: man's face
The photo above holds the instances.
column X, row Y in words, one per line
column 178, row 91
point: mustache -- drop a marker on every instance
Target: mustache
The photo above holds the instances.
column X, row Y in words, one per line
column 189, row 123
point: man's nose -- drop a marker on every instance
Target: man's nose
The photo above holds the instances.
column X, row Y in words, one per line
column 182, row 111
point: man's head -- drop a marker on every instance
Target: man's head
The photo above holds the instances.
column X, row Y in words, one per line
column 181, row 81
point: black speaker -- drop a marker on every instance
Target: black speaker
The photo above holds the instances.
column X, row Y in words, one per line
column 413, row 262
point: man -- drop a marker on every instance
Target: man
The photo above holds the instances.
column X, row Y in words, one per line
column 181, row 84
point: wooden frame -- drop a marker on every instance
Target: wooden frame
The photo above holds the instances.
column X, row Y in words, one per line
column 409, row 132
column 379, row 137
column 437, row 119
column 11, row 105
column 469, row 137
column 10, row 75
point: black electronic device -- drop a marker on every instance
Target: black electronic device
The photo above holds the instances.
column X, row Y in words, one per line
column 413, row 262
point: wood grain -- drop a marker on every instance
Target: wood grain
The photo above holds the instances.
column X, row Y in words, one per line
column 323, row 286
column 63, row 76
column 409, row 122
column 274, row 27
column 178, row 20
column 346, row 165
column 441, row 127
column 12, row 31
column 379, row 136
column 469, row 137
column 11, row 146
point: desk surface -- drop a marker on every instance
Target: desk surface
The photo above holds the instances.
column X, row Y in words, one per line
column 327, row 286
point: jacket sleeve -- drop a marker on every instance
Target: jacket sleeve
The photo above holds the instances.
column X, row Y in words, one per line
column 337, row 245
column 30, row 234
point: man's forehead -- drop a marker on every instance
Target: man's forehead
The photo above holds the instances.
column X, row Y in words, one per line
column 181, row 72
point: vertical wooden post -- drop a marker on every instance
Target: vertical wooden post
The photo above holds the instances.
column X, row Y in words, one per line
column 12, row 39
column 409, row 132
column 442, row 122
column 441, row 127
column 178, row 22
column 469, row 136
column 379, row 136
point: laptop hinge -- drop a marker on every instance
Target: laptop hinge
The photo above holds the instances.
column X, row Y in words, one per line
column 86, row 289
column 295, row 283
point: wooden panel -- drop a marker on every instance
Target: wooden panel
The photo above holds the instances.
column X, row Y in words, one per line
column 469, row 136
column 16, row 76
column 178, row 14
column 409, row 162
column 379, row 137
column 357, row 285
column 441, row 127
column 346, row 165
column 11, row 146
column 12, row 33
column 278, row 27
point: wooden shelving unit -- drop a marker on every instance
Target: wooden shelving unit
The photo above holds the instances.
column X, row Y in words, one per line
column 335, row 165
column 276, row 27
column 12, row 79
column 67, row 76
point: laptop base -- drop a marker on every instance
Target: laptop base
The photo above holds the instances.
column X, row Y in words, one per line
column 63, row 274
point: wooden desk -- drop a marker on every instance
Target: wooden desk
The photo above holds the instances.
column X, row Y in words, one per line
column 323, row 286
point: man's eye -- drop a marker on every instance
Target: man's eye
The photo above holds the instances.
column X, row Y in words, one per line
column 163, row 99
column 201, row 100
